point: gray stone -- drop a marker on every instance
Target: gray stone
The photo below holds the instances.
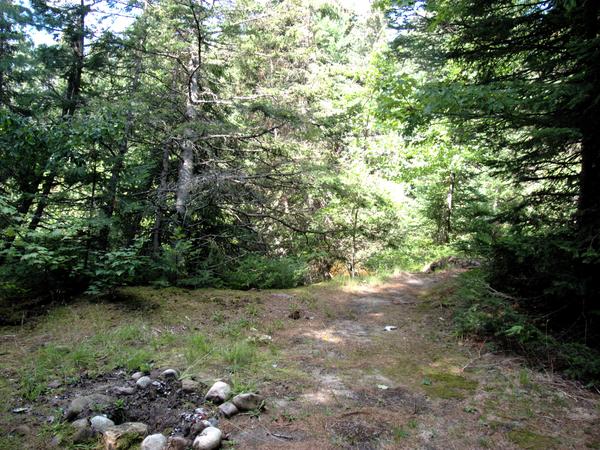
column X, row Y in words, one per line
column 55, row 384
column 81, row 423
column 189, row 385
column 248, row 401
column 214, row 422
column 124, row 390
column 209, row 439
column 97, row 402
column 178, row 443
column 144, row 382
column 136, row 376
column 154, row 442
column 83, row 435
column 169, row 373
column 228, row 409
column 219, row 392
column 124, row 436
column 101, row 423
column 198, row 427
column 20, row 410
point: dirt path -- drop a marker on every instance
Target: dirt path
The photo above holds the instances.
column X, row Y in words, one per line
column 332, row 375
column 416, row 387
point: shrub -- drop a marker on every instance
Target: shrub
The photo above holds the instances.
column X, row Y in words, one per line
column 488, row 313
column 266, row 273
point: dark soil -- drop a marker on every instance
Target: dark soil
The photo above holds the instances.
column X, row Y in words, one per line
column 163, row 406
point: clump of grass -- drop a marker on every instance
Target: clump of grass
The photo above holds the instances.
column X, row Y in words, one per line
column 400, row 434
column 235, row 329
column 197, row 346
column 218, row 317
column 240, row 354
column 135, row 360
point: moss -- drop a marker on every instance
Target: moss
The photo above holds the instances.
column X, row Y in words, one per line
column 448, row 386
column 129, row 441
column 532, row 441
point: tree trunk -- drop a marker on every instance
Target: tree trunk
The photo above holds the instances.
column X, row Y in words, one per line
column 353, row 255
column 450, row 205
column 161, row 201
column 186, row 169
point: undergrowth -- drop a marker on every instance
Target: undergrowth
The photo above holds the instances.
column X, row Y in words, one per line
column 487, row 313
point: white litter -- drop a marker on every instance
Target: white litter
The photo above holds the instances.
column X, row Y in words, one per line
column 390, row 328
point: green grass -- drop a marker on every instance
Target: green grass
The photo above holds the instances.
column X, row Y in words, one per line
column 240, row 354
column 529, row 440
column 448, row 386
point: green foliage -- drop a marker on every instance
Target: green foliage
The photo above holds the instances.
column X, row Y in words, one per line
column 487, row 313
column 261, row 272
column 117, row 268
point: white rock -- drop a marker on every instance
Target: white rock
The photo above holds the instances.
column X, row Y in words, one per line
column 101, row 423
column 169, row 373
column 154, row 442
column 209, row 439
column 219, row 392
column 136, row 376
column 81, row 423
column 144, row 382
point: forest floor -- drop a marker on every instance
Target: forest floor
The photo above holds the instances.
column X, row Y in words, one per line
column 332, row 375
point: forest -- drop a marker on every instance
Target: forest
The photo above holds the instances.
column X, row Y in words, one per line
column 164, row 148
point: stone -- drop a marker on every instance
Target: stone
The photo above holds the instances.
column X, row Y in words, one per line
column 20, row 410
column 169, row 373
column 97, row 402
column 214, row 422
column 198, row 427
column 83, row 435
column 126, row 436
column 101, row 423
column 136, row 376
column 228, row 409
column 54, row 384
column 81, row 423
column 124, row 390
column 22, row 430
column 219, row 392
column 154, row 442
column 178, row 443
column 189, row 385
column 144, row 382
column 265, row 339
column 248, row 401
column 209, row 439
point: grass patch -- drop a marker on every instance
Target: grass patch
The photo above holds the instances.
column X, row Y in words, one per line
column 240, row 355
column 448, row 386
column 529, row 440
